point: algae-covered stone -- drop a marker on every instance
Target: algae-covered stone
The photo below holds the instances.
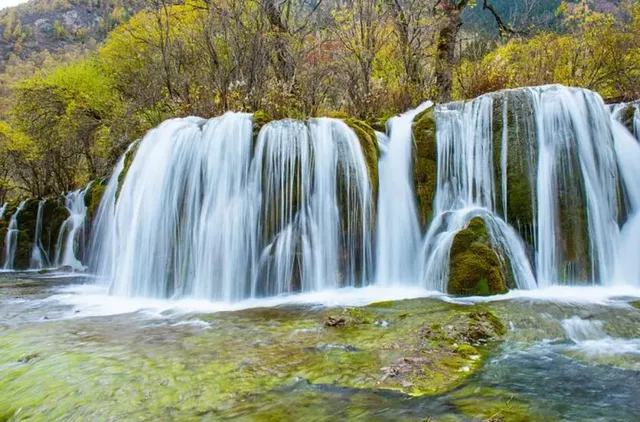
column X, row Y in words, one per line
column 93, row 196
column 128, row 160
column 250, row 355
column 260, row 118
column 369, row 146
column 54, row 214
column 475, row 267
column 26, row 220
column 425, row 167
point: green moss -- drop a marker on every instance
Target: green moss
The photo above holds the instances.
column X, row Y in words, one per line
column 54, row 214
column 425, row 167
column 494, row 405
column 522, row 157
column 380, row 123
column 128, row 160
column 369, row 146
column 249, row 357
column 26, row 232
column 636, row 304
column 260, row 118
column 627, row 115
column 93, row 197
column 384, row 304
column 475, row 268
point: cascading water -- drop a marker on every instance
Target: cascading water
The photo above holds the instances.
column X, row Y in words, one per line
column 466, row 189
column 206, row 211
column 11, row 239
column 38, row 254
column 628, row 113
column 71, row 230
column 398, row 230
column 102, row 249
column 199, row 214
column 548, row 161
column 3, row 209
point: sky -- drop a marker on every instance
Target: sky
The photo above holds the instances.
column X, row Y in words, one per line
column 8, row 3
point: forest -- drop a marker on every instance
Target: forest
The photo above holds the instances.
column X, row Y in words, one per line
column 107, row 71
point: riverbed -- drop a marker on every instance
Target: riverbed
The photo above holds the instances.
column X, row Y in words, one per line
column 69, row 351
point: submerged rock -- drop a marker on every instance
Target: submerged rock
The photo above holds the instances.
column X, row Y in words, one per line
column 476, row 268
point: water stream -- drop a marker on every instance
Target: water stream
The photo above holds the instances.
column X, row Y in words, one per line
column 71, row 232
column 11, row 239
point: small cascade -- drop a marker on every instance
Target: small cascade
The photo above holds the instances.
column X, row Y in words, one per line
column 3, row 209
column 398, row 231
column 629, row 115
column 11, row 239
column 206, row 212
column 580, row 330
column 38, row 254
column 71, row 231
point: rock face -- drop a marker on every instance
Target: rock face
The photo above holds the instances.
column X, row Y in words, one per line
column 425, row 166
column 476, row 268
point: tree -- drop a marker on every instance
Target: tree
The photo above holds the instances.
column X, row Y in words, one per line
column 450, row 22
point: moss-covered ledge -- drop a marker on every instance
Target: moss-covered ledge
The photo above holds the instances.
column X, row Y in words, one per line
column 416, row 347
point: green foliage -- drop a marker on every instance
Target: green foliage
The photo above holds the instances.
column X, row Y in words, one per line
column 598, row 52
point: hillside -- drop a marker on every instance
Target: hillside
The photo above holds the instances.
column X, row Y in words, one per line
column 55, row 25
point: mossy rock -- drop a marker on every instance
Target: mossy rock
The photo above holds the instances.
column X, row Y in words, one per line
column 128, row 160
column 522, row 157
column 93, row 197
column 26, row 219
column 475, row 267
column 425, row 166
column 627, row 115
column 369, row 146
column 250, row 355
column 260, row 118
column 379, row 123
column 54, row 215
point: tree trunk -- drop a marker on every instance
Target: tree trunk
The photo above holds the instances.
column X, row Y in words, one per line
column 445, row 55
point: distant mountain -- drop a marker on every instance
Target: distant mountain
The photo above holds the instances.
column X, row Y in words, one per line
column 53, row 25
column 518, row 13
column 527, row 14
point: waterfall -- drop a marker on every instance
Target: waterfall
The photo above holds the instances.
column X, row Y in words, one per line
column 398, row 231
column 628, row 113
column 102, row 249
column 38, row 258
column 542, row 166
column 316, row 207
column 206, row 209
column 627, row 268
column 466, row 189
column 11, row 240
column 206, row 212
column 70, row 235
column 3, row 209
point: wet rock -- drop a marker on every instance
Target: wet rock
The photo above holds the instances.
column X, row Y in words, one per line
column 425, row 167
column 475, row 267
column 335, row 322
